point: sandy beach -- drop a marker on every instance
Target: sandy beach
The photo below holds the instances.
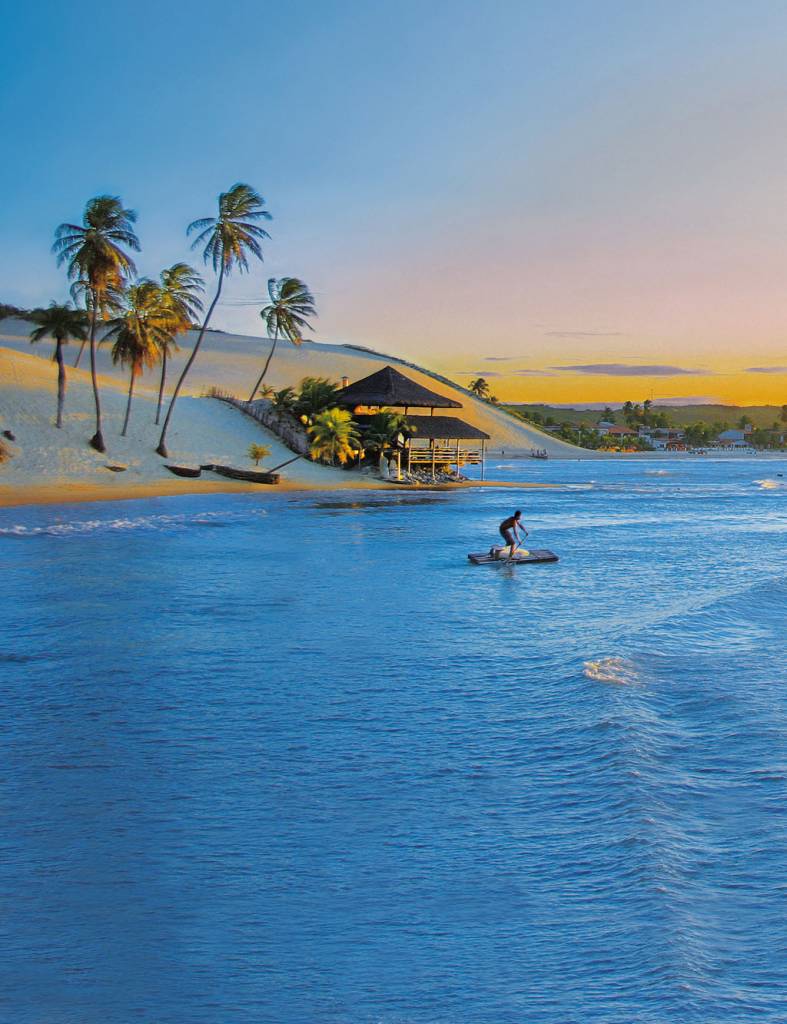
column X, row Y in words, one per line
column 48, row 465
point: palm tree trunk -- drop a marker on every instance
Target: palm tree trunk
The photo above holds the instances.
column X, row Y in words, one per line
column 162, row 445
column 161, row 385
column 61, row 380
column 79, row 354
column 128, row 403
column 265, row 368
column 97, row 440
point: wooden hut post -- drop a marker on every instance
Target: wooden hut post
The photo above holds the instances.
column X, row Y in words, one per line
column 398, row 465
column 457, row 456
column 431, row 445
column 483, row 459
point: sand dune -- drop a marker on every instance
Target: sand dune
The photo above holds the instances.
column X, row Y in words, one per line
column 234, row 362
column 48, row 464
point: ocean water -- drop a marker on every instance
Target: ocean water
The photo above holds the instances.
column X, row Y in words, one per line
column 291, row 758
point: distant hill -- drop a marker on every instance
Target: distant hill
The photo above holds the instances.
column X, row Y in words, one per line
column 679, row 415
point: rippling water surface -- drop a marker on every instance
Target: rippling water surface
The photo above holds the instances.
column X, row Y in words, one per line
column 294, row 759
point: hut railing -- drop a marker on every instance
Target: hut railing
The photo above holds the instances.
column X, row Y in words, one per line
column 446, row 454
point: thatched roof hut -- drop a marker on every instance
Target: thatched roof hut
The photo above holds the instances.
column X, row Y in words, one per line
column 388, row 387
column 445, row 428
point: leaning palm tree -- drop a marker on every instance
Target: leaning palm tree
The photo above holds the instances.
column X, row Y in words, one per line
column 94, row 251
column 138, row 334
column 64, row 324
column 334, row 436
column 228, row 240
column 111, row 305
column 180, row 288
column 479, row 387
column 285, row 316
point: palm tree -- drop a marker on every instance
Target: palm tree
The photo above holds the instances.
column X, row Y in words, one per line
column 228, row 240
column 334, row 436
column 479, row 387
column 139, row 334
column 94, row 252
column 111, row 305
column 383, row 430
column 180, row 288
column 285, row 316
column 64, row 324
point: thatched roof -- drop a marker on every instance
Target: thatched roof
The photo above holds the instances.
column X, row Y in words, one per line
column 444, row 428
column 390, row 388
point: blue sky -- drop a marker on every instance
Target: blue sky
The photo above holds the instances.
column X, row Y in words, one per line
column 573, row 183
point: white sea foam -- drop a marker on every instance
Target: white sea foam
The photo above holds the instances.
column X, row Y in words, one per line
column 657, row 472
column 154, row 523
column 769, row 485
column 619, row 671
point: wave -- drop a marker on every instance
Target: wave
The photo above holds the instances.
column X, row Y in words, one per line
column 617, row 670
column 153, row 523
column 769, row 485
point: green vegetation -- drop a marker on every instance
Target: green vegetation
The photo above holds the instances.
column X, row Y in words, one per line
column 315, row 395
column 228, row 241
column 181, row 287
column 64, row 324
column 383, row 429
column 579, row 426
column 258, row 452
column 145, row 327
column 285, row 316
column 335, row 437
column 95, row 253
column 679, row 416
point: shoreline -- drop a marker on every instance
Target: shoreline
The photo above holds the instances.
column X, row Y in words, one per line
column 71, row 493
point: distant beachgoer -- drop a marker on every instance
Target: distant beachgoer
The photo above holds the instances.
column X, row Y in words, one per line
column 509, row 531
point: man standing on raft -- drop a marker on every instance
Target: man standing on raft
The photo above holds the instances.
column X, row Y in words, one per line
column 509, row 531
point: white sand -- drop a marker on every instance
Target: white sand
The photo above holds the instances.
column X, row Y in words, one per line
column 50, row 464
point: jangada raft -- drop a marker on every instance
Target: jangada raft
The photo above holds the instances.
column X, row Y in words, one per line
column 499, row 556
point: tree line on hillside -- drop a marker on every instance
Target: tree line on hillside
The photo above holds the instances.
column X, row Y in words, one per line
column 635, row 416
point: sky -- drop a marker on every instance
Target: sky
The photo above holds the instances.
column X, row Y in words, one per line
column 575, row 199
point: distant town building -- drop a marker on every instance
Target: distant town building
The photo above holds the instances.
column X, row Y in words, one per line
column 734, row 438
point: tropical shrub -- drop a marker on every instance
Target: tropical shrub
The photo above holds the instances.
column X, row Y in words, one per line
column 334, row 437
column 258, row 452
column 315, row 395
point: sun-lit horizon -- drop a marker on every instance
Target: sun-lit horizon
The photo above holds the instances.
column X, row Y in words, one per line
column 532, row 197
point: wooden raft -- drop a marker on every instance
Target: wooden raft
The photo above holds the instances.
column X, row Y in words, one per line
column 532, row 557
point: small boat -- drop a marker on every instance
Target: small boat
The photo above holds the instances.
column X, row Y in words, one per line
column 493, row 557
column 189, row 471
column 251, row 475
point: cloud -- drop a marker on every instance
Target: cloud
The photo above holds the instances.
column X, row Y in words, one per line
column 533, row 373
column 766, row 369
column 499, row 359
column 478, row 373
column 690, row 400
column 583, row 334
column 629, row 370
